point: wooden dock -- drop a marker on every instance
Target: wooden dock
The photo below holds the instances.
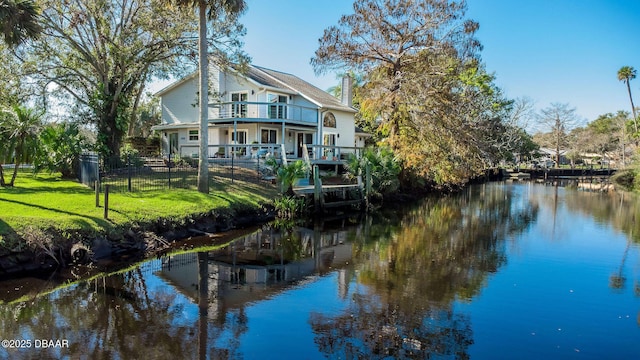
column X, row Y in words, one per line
column 327, row 196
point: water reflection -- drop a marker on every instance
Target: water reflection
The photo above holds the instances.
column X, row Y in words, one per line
column 114, row 316
column 384, row 286
column 437, row 252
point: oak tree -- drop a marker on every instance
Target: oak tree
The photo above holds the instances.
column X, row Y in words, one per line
column 382, row 37
column 97, row 57
column 425, row 86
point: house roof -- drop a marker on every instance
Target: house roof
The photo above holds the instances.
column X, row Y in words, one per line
column 284, row 81
column 305, row 89
column 549, row 151
column 361, row 132
column 175, row 84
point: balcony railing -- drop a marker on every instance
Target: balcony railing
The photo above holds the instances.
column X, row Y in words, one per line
column 263, row 110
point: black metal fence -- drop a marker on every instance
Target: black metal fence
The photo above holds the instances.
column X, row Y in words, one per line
column 133, row 173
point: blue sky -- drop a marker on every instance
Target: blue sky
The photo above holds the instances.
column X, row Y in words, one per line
column 565, row 51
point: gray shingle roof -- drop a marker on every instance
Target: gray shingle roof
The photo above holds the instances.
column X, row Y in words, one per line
column 261, row 78
column 280, row 79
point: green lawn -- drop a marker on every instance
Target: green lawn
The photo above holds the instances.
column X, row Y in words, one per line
column 47, row 201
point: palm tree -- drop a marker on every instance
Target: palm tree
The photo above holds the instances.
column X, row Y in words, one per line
column 19, row 21
column 215, row 8
column 626, row 74
column 19, row 131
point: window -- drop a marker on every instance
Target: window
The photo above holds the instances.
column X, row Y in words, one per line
column 268, row 136
column 308, row 138
column 241, row 139
column 279, row 108
column 193, row 135
column 329, row 139
column 242, row 136
column 329, row 120
column 238, row 110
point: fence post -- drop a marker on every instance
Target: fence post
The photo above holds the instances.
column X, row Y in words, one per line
column 233, row 155
column 367, row 184
column 129, row 172
column 106, row 201
column 97, row 188
column 169, row 166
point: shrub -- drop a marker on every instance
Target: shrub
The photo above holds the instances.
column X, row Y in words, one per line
column 131, row 156
column 60, row 148
column 287, row 174
column 384, row 166
column 288, row 207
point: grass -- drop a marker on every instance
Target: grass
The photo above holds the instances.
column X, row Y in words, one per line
column 49, row 202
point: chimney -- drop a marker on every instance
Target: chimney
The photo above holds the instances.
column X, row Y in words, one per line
column 346, row 96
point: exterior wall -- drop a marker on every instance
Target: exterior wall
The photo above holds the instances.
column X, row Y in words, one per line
column 185, row 146
column 216, row 87
column 179, row 104
column 346, row 127
column 344, row 131
column 235, row 84
column 360, row 140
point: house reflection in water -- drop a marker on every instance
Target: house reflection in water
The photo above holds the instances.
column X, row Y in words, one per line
column 260, row 265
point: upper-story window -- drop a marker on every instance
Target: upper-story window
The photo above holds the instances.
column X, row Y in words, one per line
column 239, row 109
column 279, row 108
column 329, row 120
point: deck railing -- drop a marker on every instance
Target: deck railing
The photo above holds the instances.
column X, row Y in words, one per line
column 262, row 110
column 236, row 151
column 312, row 153
column 331, row 152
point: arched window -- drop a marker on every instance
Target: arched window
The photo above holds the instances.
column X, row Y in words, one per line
column 329, row 120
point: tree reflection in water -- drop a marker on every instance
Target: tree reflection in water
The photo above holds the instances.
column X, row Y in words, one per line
column 110, row 317
column 412, row 272
column 401, row 272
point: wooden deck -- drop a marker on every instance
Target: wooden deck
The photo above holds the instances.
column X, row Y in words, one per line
column 310, row 189
column 327, row 196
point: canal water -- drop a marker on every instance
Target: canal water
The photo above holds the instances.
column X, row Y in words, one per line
column 499, row 271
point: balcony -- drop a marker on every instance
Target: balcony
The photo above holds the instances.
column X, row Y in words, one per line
column 246, row 111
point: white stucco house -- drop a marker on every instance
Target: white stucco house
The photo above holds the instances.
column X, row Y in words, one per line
column 273, row 109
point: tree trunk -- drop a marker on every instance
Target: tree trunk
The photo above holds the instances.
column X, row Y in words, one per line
column 15, row 173
column 633, row 108
column 203, row 161
column 17, row 160
column 110, row 135
column 2, row 183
